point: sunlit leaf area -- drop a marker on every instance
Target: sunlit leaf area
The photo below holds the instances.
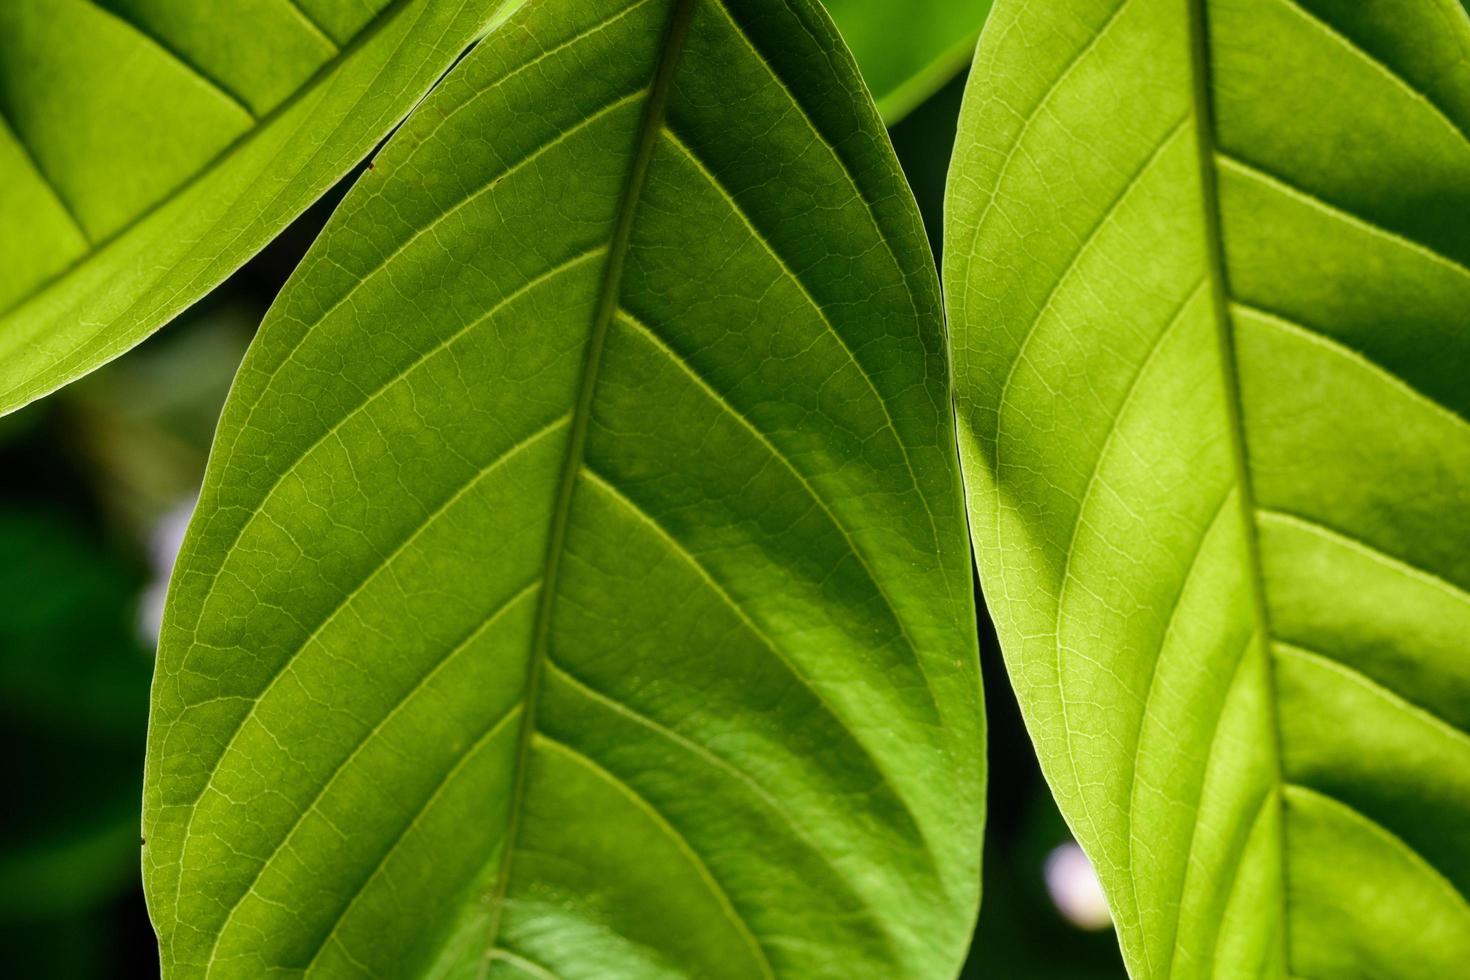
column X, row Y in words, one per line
column 770, row 489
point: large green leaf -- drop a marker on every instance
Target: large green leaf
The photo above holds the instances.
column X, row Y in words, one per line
column 1209, row 275
column 149, row 147
column 907, row 51
column 580, row 578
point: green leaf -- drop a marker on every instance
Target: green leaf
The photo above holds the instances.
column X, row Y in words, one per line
column 1209, row 281
column 580, row 578
column 150, row 147
column 907, row 51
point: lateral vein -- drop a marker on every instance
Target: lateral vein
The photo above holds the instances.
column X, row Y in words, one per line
column 51, row 185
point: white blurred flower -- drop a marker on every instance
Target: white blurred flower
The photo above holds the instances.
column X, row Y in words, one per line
column 1074, row 888
column 163, row 548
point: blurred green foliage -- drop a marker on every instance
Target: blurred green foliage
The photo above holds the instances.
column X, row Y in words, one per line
column 909, row 50
column 73, row 704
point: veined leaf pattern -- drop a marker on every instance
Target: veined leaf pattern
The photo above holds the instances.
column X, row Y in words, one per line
column 580, row 584
column 1208, row 268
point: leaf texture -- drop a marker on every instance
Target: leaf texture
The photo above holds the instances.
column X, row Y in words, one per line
column 580, row 584
column 1208, row 266
column 907, row 51
column 148, row 148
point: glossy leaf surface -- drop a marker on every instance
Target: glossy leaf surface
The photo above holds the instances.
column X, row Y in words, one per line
column 580, row 584
column 149, row 147
column 1209, row 267
column 907, row 51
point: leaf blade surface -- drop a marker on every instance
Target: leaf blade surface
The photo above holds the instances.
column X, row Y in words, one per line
column 616, row 389
column 1201, row 312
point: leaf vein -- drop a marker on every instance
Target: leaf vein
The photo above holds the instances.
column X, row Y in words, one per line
column 719, row 399
column 349, row 596
column 45, row 177
column 1201, row 73
column 403, row 701
column 711, row 758
column 1148, row 696
column 1382, row 66
column 1084, row 245
column 717, row 890
column 822, row 314
column 1337, row 348
column 1412, row 855
column 702, row 570
column 230, row 96
column 390, row 11
column 432, row 225
column 1282, row 186
column 1361, row 546
column 419, row 813
column 623, row 219
column 1034, row 114
column 1380, row 690
column 312, row 24
column 371, row 398
column 528, row 967
column 821, row 137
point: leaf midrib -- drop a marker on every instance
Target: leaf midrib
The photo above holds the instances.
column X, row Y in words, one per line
column 1218, row 276
column 607, row 305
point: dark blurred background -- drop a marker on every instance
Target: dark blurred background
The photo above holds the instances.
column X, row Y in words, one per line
column 99, row 481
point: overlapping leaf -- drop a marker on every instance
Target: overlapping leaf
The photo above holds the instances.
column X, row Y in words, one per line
column 908, row 50
column 1209, row 275
column 149, row 147
column 580, row 584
